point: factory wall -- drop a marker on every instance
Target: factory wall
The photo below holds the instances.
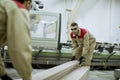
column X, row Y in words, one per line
column 100, row 17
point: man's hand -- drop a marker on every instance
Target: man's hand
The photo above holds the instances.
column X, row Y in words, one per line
column 72, row 58
column 82, row 59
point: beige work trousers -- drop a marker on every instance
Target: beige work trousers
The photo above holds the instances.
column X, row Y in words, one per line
column 24, row 67
column 88, row 56
column 2, row 67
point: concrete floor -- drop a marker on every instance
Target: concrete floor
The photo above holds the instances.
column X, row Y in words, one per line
column 93, row 75
column 101, row 75
column 12, row 72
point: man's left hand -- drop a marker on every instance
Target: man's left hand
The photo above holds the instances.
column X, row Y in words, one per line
column 82, row 59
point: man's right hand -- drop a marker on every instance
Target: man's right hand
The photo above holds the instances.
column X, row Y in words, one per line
column 72, row 58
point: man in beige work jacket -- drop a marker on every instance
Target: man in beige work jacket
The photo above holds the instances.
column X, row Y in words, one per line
column 14, row 29
column 83, row 44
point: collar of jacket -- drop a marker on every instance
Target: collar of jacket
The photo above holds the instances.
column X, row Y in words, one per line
column 81, row 33
column 18, row 4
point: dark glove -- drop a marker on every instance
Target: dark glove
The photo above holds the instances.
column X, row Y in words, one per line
column 82, row 59
column 72, row 58
column 6, row 77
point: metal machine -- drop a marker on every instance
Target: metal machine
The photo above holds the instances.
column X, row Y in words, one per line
column 45, row 30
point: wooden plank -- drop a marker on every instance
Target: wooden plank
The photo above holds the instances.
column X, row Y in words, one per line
column 57, row 72
column 68, row 71
column 78, row 74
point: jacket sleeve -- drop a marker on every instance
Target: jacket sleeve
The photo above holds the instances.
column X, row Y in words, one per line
column 18, row 35
column 85, row 44
column 74, row 47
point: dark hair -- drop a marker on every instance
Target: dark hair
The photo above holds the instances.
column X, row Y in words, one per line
column 22, row 1
column 74, row 24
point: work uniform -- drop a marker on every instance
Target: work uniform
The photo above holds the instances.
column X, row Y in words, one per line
column 83, row 45
column 14, row 29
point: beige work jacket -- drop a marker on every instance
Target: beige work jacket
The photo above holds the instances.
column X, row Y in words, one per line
column 14, row 27
column 82, row 42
